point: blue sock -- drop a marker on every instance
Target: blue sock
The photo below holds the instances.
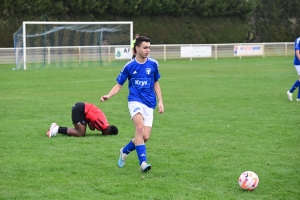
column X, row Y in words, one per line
column 141, row 153
column 296, row 84
column 129, row 147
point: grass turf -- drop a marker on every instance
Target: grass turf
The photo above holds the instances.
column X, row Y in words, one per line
column 222, row 117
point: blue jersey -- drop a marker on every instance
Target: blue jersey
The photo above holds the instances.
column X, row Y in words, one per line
column 297, row 47
column 141, row 79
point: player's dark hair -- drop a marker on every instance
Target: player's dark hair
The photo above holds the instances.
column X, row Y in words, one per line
column 139, row 40
column 113, row 130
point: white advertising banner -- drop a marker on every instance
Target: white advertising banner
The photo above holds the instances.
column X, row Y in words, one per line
column 249, row 50
column 123, row 53
column 195, row 51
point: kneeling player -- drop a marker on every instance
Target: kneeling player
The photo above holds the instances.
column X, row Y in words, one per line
column 82, row 114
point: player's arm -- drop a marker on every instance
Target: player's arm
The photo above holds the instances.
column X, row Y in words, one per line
column 91, row 118
column 91, row 127
column 298, row 54
column 94, row 121
column 112, row 92
column 159, row 97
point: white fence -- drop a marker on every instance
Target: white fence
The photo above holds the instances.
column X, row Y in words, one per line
column 160, row 52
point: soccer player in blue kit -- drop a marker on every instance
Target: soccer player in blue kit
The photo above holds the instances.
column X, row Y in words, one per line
column 297, row 66
column 142, row 74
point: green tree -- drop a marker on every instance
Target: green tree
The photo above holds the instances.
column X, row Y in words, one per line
column 276, row 20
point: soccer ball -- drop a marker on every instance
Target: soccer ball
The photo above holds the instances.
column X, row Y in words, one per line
column 248, row 180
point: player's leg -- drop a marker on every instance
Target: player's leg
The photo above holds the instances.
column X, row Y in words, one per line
column 131, row 144
column 147, row 133
column 298, row 98
column 148, row 121
column 127, row 149
column 295, row 85
column 52, row 131
column 78, row 119
column 137, row 143
column 78, row 131
column 140, row 146
column 133, row 108
column 138, row 121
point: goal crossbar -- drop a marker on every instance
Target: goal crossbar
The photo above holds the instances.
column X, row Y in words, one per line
column 69, row 25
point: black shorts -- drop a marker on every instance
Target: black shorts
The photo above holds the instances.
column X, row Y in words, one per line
column 78, row 115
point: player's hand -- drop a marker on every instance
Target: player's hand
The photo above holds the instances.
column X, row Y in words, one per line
column 91, row 127
column 104, row 98
column 161, row 108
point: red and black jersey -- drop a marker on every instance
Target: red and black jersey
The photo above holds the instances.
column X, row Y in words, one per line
column 95, row 116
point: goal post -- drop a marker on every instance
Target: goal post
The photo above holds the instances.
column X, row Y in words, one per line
column 44, row 44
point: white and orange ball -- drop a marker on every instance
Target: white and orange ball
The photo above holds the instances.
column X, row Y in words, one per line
column 248, row 180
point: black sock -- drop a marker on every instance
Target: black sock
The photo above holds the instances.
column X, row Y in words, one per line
column 62, row 130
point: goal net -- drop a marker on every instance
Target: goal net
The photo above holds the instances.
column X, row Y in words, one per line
column 71, row 44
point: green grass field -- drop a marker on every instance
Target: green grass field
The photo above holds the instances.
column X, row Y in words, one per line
column 222, row 117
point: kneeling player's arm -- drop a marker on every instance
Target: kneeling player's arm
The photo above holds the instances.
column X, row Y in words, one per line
column 91, row 118
column 91, row 127
column 95, row 121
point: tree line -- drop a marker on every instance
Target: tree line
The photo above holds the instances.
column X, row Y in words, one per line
column 201, row 8
column 248, row 20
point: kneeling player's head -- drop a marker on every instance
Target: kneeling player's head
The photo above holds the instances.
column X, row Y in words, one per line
column 111, row 130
